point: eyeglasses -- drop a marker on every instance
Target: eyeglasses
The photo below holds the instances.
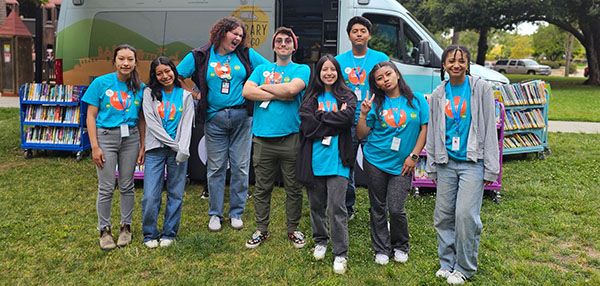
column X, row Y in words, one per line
column 287, row 41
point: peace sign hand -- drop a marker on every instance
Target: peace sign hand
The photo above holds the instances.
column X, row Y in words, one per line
column 366, row 105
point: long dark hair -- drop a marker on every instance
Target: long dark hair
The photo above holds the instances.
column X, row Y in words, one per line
column 224, row 25
column 154, row 84
column 456, row 49
column 315, row 84
column 380, row 94
column 134, row 83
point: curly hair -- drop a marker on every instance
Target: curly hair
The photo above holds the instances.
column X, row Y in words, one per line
column 224, row 25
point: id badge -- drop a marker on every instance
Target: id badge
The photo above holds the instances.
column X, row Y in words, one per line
column 326, row 141
column 358, row 94
column 396, row 144
column 124, row 130
column 225, row 87
column 265, row 104
column 455, row 143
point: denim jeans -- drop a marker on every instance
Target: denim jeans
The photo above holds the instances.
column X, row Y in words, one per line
column 154, row 174
column 228, row 140
column 456, row 217
column 351, row 190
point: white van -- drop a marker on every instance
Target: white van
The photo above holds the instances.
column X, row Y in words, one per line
column 88, row 31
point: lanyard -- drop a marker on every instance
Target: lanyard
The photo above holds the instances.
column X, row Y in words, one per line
column 456, row 113
column 359, row 66
column 271, row 78
column 398, row 110
column 127, row 100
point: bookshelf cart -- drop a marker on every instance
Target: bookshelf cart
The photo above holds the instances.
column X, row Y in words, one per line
column 420, row 179
column 53, row 118
column 526, row 122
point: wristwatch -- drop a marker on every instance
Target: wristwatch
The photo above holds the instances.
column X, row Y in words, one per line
column 414, row 156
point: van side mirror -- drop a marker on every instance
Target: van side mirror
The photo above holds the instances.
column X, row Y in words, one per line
column 424, row 53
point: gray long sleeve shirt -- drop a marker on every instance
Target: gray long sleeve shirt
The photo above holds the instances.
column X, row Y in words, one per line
column 157, row 136
column 482, row 143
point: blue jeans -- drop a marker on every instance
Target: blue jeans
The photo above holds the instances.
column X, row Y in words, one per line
column 228, row 140
column 154, row 174
column 456, row 217
column 351, row 190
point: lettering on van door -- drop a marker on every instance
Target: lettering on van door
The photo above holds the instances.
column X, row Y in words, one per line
column 256, row 23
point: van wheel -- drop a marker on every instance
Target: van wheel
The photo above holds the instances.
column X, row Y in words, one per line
column 502, row 71
column 530, row 72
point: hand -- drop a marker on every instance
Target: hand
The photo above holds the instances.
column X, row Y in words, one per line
column 366, row 105
column 141, row 157
column 487, row 183
column 344, row 105
column 409, row 166
column 98, row 157
column 196, row 95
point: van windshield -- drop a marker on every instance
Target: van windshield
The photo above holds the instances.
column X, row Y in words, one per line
column 530, row 63
column 426, row 31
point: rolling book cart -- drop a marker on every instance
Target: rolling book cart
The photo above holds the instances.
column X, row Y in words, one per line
column 421, row 180
column 526, row 122
column 53, row 118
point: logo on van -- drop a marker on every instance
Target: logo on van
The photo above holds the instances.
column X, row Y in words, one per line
column 256, row 22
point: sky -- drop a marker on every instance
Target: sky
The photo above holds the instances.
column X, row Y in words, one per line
column 526, row 28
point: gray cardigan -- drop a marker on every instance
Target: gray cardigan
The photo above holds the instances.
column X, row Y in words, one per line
column 157, row 136
column 482, row 142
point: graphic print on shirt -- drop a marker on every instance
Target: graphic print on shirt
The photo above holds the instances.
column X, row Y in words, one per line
column 331, row 106
column 356, row 75
column 123, row 104
column 463, row 109
column 388, row 117
column 274, row 77
column 171, row 108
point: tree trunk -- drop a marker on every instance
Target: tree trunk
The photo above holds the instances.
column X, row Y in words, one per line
column 590, row 30
column 569, row 49
column 455, row 37
column 482, row 46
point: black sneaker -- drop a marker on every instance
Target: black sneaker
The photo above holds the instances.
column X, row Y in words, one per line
column 204, row 194
column 257, row 238
column 297, row 238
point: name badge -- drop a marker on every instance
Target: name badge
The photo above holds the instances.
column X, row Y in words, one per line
column 265, row 104
column 225, row 87
column 358, row 94
column 455, row 143
column 124, row 130
column 395, row 144
column 326, row 141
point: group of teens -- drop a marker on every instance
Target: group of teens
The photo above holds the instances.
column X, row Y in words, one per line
column 308, row 125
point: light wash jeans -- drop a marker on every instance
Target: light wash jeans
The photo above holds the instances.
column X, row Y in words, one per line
column 228, row 139
column 456, row 217
column 124, row 152
column 154, row 174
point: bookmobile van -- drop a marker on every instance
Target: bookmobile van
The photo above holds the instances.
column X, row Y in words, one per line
column 89, row 30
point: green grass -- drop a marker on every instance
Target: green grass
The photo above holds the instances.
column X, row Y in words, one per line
column 570, row 99
column 545, row 231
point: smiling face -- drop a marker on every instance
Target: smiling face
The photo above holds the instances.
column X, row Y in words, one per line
column 231, row 40
column 328, row 75
column 359, row 35
column 284, row 45
column 456, row 64
column 386, row 79
column 165, row 76
column 125, row 62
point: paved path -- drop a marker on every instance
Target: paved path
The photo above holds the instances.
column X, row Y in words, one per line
column 553, row 126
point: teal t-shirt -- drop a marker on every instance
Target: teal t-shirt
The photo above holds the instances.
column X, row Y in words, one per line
column 397, row 119
column 326, row 160
column 116, row 105
column 356, row 73
column 222, row 68
column 280, row 117
column 170, row 110
column 458, row 100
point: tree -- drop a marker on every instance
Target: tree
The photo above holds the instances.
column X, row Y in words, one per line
column 521, row 48
column 549, row 41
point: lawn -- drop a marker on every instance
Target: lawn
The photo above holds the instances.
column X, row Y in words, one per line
column 545, row 231
column 570, row 100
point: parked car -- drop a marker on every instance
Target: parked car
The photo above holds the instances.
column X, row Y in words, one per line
column 586, row 71
column 522, row 66
column 489, row 65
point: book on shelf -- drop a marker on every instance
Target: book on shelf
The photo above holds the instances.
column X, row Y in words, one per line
column 53, row 135
column 52, row 93
column 524, row 93
column 521, row 140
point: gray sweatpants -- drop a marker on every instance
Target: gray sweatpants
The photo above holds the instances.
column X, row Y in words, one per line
column 391, row 190
column 124, row 151
column 329, row 193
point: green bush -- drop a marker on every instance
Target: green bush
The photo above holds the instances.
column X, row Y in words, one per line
column 552, row 64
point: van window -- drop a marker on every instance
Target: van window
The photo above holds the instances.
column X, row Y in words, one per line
column 395, row 38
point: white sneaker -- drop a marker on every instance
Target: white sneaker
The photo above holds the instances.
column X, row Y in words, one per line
column 339, row 265
column 443, row 273
column 400, row 256
column 214, row 224
column 237, row 223
column 319, row 252
column 151, row 243
column 166, row 242
column 382, row 259
column 456, row 278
